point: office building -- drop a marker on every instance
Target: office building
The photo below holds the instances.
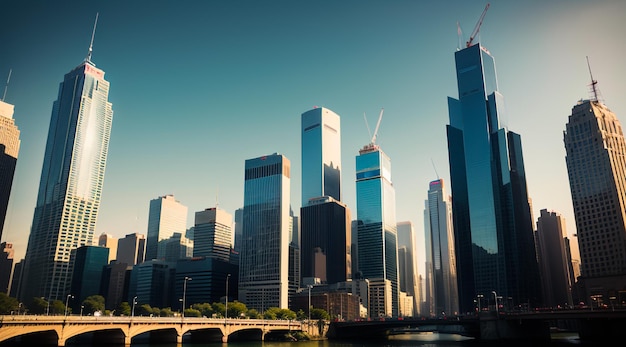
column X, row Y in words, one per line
column 213, row 234
column 377, row 228
column 238, row 229
column 326, row 240
column 166, row 217
column 88, row 265
column 442, row 260
column 152, row 282
column 72, row 178
column 321, row 154
column 9, row 149
column 407, row 264
column 176, row 247
column 208, row 279
column 110, row 242
column 554, row 260
column 6, row 266
column 131, row 249
column 264, row 258
column 493, row 226
column 595, row 152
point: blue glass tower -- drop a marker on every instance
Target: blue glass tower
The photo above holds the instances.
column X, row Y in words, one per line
column 264, row 261
column 493, row 228
column 71, row 182
column 376, row 223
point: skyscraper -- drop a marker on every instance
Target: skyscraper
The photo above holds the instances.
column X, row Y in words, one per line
column 131, row 249
column 213, row 234
column 321, row 154
column 595, row 152
column 407, row 263
column 110, row 242
column 9, row 149
column 264, row 259
column 166, row 217
column 554, row 260
column 376, row 223
column 71, row 182
column 493, row 227
column 444, row 296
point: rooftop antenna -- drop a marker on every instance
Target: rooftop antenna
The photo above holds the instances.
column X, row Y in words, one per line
column 460, row 34
column 594, row 89
column 7, row 85
column 88, row 59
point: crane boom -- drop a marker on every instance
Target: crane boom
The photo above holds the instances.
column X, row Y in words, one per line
column 477, row 28
column 377, row 125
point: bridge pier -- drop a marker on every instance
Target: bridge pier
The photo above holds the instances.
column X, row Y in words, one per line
column 127, row 339
column 225, row 339
column 179, row 339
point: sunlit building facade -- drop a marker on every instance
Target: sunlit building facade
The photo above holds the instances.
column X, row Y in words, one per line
column 213, row 234
column 72, row 178
column 9, row 149
column 407, row 264
column 166, row 217
column 493, row 226
column 596, row 165
column 264, row 259
column 377, row 228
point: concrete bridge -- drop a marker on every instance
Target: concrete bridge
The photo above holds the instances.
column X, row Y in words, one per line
column 59, row 330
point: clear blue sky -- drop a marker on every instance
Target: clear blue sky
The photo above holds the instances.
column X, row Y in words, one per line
column 198, row 87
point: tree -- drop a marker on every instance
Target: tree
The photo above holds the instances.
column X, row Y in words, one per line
column 38, row 306
column 236, row 309
column 93, row 303
column 123, row 309
column 318, row 313
column 8, row 304
column 206, row 309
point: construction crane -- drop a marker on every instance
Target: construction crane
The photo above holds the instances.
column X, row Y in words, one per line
column 477, row 28
column 373, row 140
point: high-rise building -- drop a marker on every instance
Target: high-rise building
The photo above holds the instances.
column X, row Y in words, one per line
column 175, row 248
column 88, row 265
column 166, row 217
column 595, row 152
column 264, row 258
column 377, row 228
column 213, row 234
column 110, row 242
column 238, row 229
column 554, row 262
column 9, row 149
column 444, row 296
column 493, row 226
column 407, row 262
column 321, row 154
column 71, row 182
column 131, row 249
column 326, row 240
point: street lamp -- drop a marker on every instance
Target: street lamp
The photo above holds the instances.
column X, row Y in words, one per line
column 226, row 301
column 67, row 301
column 48, row 308
column 132, row 314
column 478, row 300
column 309, row 286
column 495, row 298
column 185, row 293
column 81, row 310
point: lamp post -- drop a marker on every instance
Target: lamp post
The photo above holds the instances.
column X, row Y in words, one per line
column 48, row 308
column 67, row 301
column 81, row 310
column 479, row 298
column 132, row 313
column 226, row 300
column 495, row 298
column 185, row 293
column 309, row 286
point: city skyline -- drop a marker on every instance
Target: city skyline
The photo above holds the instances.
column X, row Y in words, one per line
column 253, row 75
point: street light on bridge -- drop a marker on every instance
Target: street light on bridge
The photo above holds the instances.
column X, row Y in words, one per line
column 132, row 314
column 185, row 293
column 226, row 300
column 67, row 301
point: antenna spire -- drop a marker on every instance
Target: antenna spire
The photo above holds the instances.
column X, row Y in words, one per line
column 7, row 85
column 435, row 168
column 93, row 33
column 594, row 89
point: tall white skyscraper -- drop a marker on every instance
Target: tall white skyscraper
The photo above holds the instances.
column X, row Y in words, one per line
column 213, row 234
column 166, row 217
column 71, row 182
column 321, row 154
column 264, row 258
column 444, row 297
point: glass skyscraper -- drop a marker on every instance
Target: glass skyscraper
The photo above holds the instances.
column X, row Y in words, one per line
column 9, row 149
column 264, row 258
column 493, row 226
column 71, row 182
column 166, row 217
column 321, row 154
column 376, row 223
column 407, row 264
column 596, row 164
column 213, row 234
column 442, row 281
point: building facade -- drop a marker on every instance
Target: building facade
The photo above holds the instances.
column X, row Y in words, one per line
column 166, row 217
column 377, row 228
column 131, row 249
column 213, row 234
column 407, row 265
column 444, row 297
column 9, row 150
column 595, row 152
column 493, row 226
column 88, row 265
column 110, row 242
column 72, row 178
column 264, row 259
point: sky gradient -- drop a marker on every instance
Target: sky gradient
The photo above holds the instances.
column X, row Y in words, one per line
column 198, row 87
